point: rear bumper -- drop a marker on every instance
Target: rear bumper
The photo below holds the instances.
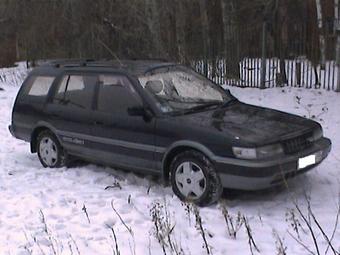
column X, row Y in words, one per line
column 11, row 130
column 257, row 175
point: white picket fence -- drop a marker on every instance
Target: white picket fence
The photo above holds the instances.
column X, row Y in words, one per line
column 13, row 76
column 300, row 72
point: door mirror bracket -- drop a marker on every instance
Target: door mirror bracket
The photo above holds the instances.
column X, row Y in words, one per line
column 140, row 111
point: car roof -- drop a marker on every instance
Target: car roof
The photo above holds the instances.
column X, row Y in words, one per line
column 134, row 67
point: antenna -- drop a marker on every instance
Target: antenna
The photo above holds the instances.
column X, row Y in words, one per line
column 110, row 51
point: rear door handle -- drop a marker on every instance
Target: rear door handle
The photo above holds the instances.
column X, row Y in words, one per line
column 99, row 123
column 54, row 115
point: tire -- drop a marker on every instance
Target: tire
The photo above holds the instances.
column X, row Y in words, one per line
column 51, row 154
column 194, row 179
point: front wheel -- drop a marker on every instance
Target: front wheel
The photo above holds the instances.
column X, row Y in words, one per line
column 50, row 152
column 193, row 178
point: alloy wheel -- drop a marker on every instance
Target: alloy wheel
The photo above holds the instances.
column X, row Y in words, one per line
column 48, row 151
column 190, row 180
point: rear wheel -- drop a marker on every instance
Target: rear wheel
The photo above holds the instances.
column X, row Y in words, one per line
column 193, row 178
column 50, row 152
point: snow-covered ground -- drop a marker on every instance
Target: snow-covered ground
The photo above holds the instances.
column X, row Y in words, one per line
column 74, row 210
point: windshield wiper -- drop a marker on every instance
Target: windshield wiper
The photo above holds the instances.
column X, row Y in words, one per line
column 178, row 101
column 227, row 103
column 203, row 106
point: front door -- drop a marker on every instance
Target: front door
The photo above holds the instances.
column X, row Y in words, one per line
column 121, row 140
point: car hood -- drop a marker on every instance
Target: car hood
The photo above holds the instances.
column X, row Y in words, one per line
column 251, row 124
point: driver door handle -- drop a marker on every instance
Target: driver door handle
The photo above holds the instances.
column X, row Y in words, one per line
column 98, row 123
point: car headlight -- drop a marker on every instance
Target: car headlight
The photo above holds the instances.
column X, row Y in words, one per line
column 258, row 153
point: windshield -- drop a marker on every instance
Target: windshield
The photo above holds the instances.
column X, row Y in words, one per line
column 179, row 89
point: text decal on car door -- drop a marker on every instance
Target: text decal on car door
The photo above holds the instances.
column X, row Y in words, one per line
column 73, row 140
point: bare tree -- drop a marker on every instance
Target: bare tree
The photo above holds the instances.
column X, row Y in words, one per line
column 337, row 31
column 180, row 30
column 205, row 34
column 321, row 33
column 153, row 21
column 230, row 38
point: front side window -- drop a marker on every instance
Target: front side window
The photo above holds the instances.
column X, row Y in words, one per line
column 39, row 85
column 116, row 94
column 179, row 89
column 76, row 91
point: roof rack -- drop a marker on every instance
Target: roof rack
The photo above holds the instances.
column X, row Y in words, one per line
column 59, row 63
column 83, row 63
column 70, row 62
column 137, row 67
column 151, row 59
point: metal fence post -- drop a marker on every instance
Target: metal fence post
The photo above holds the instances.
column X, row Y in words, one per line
column 263, row 57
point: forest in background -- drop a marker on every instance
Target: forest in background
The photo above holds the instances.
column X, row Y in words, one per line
column 178, row 30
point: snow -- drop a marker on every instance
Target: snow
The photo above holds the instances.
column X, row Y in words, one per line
column 44, row 211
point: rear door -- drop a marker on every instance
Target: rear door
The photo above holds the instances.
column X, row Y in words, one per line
column 70, row 111
column 122, row 140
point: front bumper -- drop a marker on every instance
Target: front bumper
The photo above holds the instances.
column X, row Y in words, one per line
column 257, row 175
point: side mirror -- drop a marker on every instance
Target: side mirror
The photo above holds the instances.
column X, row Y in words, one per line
column 140, row 111
column 136, row 111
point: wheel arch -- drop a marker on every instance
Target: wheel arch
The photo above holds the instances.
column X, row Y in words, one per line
column 179, row 147
column 42, row 126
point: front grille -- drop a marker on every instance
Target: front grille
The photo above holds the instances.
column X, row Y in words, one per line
column 297, row 144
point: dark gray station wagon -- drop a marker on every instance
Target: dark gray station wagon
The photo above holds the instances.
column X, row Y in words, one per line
column 161, row 118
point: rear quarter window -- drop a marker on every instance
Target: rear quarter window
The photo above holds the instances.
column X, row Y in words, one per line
column 39, row 86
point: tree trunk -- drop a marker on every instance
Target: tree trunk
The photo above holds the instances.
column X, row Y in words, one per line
column 264, row 56
column 230, row 39
column 153, row 21
column 17, row 49
column 280, row 47
column 283, row 73
column 337, row 30
column 180, row 31
column 205, row 34
column 321, row 34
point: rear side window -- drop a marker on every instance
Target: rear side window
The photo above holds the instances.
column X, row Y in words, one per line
column 76, row 91
column 39, row 85
column 116, row 94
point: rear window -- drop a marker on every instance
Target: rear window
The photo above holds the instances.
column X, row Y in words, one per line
column 39, row 85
